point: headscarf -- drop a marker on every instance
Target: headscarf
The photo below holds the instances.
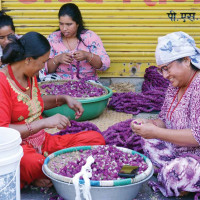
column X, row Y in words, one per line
column 177, row 45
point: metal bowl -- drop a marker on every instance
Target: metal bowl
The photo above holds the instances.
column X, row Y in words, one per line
column 125, row 192
column 124, row 189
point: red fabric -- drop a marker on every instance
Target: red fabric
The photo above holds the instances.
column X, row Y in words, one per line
column 85, row 138
column 17, row 107
column 30, row 166
column 31, row 163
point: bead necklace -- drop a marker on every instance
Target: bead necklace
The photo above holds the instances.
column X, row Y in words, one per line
column 169, row 117
column 16, row 82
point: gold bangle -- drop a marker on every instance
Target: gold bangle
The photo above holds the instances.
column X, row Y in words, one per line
column 30, row 130
column 57, row 101
column 91, row 57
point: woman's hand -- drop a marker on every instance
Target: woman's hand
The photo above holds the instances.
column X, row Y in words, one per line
column 64, row 58
column 80, row 55
column 51, row 101
column 143, row 128
column 57, row 121
column 75, row 105
column 139, row 121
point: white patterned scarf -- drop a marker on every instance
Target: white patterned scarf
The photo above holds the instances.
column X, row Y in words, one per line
column 177, row 45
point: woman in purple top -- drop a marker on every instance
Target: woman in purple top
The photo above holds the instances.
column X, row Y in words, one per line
column 75, row 51
column 172, row 141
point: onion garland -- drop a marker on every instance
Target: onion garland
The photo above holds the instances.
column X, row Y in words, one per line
column 78, row 127
column 119, row 134
column 150, row 99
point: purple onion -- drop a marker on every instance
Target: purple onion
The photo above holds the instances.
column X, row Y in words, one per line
column 78, row 89
column 108, row 162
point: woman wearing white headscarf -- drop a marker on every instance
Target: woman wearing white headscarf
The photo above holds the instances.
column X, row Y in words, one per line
column 172, row 141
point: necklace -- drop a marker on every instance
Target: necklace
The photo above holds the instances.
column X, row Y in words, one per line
column 16, row 82
column 179, row 99
column 70, row 46
column 78, row 62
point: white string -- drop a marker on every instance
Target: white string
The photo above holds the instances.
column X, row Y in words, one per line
column 86, row 173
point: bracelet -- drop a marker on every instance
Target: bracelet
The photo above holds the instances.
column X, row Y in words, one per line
column 154, row 123
column 30, row 130
column 57, row 101
column 91, row 57
column 54, row 62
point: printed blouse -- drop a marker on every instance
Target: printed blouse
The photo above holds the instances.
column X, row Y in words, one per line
column 90, row 43
column 186, row 115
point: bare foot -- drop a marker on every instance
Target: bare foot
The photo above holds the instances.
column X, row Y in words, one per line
column 43, row 182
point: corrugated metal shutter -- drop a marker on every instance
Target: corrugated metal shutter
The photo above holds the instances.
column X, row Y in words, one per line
column 129, row 29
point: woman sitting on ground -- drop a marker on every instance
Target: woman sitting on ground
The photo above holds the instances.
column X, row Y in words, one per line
column 21, row 107
column 75, row 51
column 172, row 141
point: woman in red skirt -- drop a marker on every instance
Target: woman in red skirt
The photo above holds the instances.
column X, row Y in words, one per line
column 21, row 107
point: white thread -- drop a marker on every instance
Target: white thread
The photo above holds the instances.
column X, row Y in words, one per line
column 86, row 173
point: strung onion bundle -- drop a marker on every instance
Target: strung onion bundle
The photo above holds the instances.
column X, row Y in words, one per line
column 78, row 89
column 78, row 127
column 154, row 81
column 121, row 134
column 108, row 162
column 150, row 99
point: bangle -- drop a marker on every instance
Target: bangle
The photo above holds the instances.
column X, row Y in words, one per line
column 57, row 101
column 30, row 130
column 91, row 57
column 154, row 123
column 54, row 62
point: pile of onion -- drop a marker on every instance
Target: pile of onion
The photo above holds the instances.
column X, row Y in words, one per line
column 78, row 89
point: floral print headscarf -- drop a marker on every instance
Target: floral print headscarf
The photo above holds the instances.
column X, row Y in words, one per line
column 177, row 45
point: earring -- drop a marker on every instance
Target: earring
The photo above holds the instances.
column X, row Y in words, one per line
column 27, row 61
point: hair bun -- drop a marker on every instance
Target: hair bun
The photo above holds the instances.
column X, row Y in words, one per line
column 2, row 12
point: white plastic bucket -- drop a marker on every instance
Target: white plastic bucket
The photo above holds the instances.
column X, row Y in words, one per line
column 11, row 153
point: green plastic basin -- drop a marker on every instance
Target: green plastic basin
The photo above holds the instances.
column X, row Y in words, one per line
column 93, row 107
